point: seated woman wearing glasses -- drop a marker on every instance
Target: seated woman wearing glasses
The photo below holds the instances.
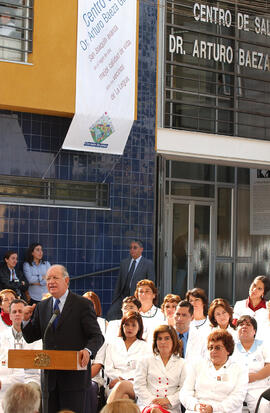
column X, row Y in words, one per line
column 216, row 385
column 255, row 355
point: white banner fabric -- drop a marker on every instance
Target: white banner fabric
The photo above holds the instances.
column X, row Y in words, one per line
column 106, row 82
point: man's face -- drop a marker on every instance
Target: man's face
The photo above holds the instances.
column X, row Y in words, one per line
column 56, row 283
column 135, row 250
column 182, row 319
column 16, row 313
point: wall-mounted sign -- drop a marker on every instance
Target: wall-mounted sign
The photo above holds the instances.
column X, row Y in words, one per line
column 218, row 52
column 106, row 82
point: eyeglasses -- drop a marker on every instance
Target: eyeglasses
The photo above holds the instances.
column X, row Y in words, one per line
column 245, row 323
column 134, row 247
column 217, row 348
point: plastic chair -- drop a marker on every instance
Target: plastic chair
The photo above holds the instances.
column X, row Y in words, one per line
column 265, row 395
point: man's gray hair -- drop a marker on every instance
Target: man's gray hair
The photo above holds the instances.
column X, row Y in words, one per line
column 21, row 398
column 62, row 268
column 65, row 272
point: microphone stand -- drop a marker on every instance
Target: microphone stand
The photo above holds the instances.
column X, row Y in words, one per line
column 45, row 393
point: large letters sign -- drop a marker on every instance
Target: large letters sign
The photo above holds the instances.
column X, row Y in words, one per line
column 106, row 81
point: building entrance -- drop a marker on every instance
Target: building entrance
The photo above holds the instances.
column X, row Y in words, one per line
column 190, row 245
column 204, row 230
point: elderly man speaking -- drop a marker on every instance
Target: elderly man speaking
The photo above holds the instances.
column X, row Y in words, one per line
column 75, row 328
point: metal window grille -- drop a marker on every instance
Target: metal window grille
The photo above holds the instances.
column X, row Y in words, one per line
column 52, row 192
column 16, row 30
column 201, row 94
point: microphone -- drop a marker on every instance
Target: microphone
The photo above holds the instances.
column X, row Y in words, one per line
column 56, row 313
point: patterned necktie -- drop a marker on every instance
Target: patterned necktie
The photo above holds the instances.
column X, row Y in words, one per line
column 181, row 344
column 56, row 308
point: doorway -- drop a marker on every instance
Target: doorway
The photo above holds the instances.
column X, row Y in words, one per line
column 189, row 246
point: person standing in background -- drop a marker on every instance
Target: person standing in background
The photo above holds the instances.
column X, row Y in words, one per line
column 132, row 270
column 35, row 269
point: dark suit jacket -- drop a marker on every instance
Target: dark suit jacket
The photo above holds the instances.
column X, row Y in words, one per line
column 18, row 286
column 145, row 270
column 77, row 329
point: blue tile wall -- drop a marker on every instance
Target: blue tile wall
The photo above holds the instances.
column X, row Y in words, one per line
column 86, row 241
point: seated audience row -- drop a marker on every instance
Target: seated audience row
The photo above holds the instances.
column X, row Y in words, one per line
column 234, row 355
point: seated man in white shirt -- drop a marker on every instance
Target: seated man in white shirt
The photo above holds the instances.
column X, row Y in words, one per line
column 13, row 339
column 193, row 343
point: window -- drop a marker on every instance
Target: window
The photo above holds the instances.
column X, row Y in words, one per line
column 53, row 192
column 16, row 27
column 216, row 76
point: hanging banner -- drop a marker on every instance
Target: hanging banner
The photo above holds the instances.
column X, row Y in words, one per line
column 260, row 201
column 106, row 82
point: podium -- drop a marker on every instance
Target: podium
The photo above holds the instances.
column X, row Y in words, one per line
column 44, row 359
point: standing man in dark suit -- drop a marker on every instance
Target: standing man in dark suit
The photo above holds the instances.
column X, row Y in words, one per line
column 132, row 270
column 75, row 328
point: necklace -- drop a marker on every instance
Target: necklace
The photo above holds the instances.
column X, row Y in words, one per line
column 199, row 325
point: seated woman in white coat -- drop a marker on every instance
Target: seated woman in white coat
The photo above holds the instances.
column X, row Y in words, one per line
column 220, row 315
column 130, row 303
column 147, row 293
column 168, row 307
column 216, row 385
column 255, row 304
column 255, row 355
column 199, row 300
column 159, row 378
column 122, row 355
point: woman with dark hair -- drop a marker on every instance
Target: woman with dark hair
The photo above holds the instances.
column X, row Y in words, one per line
column 199, row 300
column 255, row 304
column 122, row 355
column 35, row 269
column 130, row 303
column 158, row 378
column 254, row 354
column 218, row 384
column 11, row 277
column 147, row 293
column 220, row 315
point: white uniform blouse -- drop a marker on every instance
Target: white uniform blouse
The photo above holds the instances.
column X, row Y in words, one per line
column 254, row 359
column 261, row 316
column 224, row 389
column 153, row 379
column 120, row 362
column 151, row 319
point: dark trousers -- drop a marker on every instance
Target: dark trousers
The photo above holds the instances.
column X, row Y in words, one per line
column 72, row 400
column 92, row 398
